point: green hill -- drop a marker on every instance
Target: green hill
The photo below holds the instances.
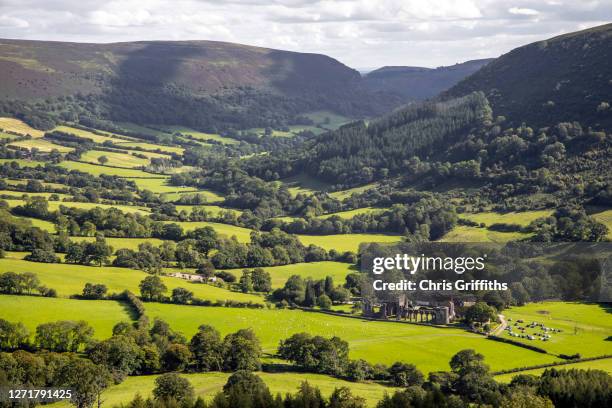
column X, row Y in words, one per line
column 561, row 79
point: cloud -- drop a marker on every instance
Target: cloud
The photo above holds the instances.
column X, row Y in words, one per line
column 360, row 33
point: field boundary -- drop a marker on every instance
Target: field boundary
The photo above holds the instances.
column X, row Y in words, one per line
column 555, row 364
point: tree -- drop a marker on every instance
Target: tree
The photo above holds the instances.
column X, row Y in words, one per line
column 152, row 288
column 176, row 357
column 207, row 349
column 480, row 312
column 343, row 398
column 102, row 160
column 86, row 379
column 119, row 354
column 246, row 284
column 405, row 375
column 171, row 386
column 94, row 291
column 241, row 351
column 181, row 295
column 262, row 281
column 63, row 336
column 245, row 389
column 324, row 302
column 524, row 397
column 12, row 335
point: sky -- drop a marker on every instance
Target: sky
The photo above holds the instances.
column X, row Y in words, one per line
column 360, row 33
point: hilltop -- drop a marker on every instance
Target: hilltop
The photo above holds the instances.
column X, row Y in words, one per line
column 565, row 78
column 199, row 83
column 419, row 83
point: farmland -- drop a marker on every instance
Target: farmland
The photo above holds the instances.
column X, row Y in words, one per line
column 602, row 364
column 430, row 348
column 346, row 242
column 585, row 327
column 315, row 270
column 200, row 135
column 519, row 218
column 463, row 233
column 207, row 385
column 42, row 145
column 97, row 170
column 151, row 147
column 18, row 126
column 114, row 159
column 95, row 137
column 68, row 279
column 102, row 315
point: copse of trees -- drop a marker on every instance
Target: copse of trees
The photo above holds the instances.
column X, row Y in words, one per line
column 310, row 293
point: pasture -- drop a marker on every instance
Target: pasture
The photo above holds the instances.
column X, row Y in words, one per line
column 97, row 170
column 429, row 348
column 96, row 138
column 605, row 217
column 55, row 205
column 102, row 315
column 114, row 159
column 351, row 213
column 242, row 234
column 519, row 218
column 18, row 126
column 43, row 145
column 122, row 243
column 69, row 279
column 215, row 210
column 343, row 194
column 463, row 233
column 603, row 364
column 151, row 147
column 314, row 270
column 23, row 162
column 208, row 195
column 585, row 327
column 346, row 242
column 200, row 135
column 206, row 385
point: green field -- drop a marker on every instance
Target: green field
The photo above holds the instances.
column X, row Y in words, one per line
column 200, row 135
column 42, row 224
column 463, row 233
column 151, row 147
column 207, row 385
column 242, row 234
column 346, row 242
column 351, row 213
column 215, row 210
column 315, row 270
column 18, row 195
column 68, row 279
column 43, row 145
column 102, row 315
column 97, row 170
column 88, row 135
column 430, row 348
column 342, row 194
column 122, row 243
column 7, row 136
column 605, row 217
column 114, row 159
column 23, row 162
column 585, row 327
column 604, row 365
column 18, row 126
column 519, row 218
column 211, row 196
column 55, row 205
column 304, row 184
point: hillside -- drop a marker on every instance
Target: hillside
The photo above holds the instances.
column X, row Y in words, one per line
column 566, row 78
column 197, row 83
column 418, row 83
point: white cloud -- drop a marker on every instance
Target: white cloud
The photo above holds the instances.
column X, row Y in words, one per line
column 360, row 33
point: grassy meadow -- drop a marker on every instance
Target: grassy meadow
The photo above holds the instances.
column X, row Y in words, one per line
column 585, row 327
column 114, row 159
column 603, row 364
column 430, row 348
column 96, row 138
column 605, row 217
column 523, row 218
column 315, row 270
column 68, row 279
column 346, row 242
column 206, row 385
column 43, row 145
column 463, row 233
column 151, row 147
column 102, row 315
column 201, row 135
column 18, row 126
column 97, row 170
